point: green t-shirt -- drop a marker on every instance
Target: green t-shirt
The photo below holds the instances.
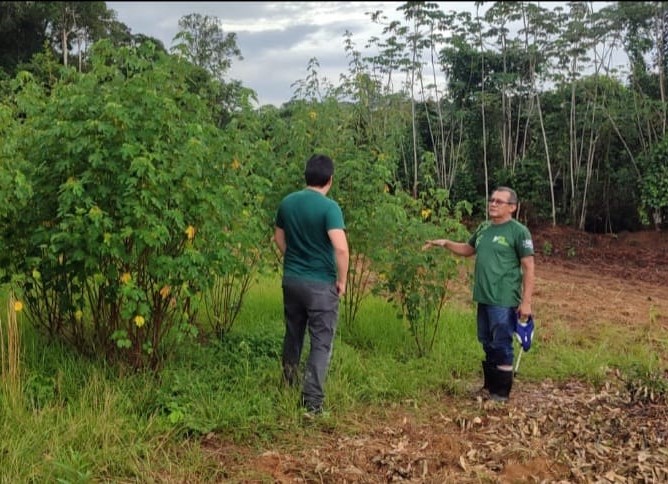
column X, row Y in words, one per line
column 306, row 216
column 498, row 271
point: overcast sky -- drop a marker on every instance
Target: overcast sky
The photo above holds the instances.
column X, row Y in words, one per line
column 277, row 39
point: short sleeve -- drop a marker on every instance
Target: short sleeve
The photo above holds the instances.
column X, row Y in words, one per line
column 524, row 243
column 334, row 218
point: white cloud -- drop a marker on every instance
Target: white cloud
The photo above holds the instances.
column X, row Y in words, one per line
column 277, row 39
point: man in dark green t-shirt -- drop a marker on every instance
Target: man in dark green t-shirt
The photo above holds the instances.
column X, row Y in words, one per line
column 310, row 233
column 503, row 285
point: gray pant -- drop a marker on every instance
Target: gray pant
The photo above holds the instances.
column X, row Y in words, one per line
column 314, row 305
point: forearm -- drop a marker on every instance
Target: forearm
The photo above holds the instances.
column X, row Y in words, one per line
column 279, row 239
column 527, row 288
column 458, row 248
column 528, row 281
column 342, row 256
column 342, row 262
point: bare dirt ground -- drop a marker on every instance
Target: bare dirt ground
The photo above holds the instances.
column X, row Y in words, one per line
column 548, row 432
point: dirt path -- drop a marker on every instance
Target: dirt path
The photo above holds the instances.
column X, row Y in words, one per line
column 548, row 432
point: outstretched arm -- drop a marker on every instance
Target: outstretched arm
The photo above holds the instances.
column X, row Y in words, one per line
column 459, row 248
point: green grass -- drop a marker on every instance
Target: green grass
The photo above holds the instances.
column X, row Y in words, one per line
column 77, row 420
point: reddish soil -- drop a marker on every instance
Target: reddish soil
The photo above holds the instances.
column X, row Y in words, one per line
column 620, row 278
column 548, row 432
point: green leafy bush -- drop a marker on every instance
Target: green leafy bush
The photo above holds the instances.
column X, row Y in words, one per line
column 125, row 204
column 415, row 280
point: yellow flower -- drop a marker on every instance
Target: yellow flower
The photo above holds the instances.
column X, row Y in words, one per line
column 313, row 115
column 164, row 292
column 78, row 314
column 126, row 277
column 190, row 232
column 426, row 212
column 139, row 321
column 18, row 306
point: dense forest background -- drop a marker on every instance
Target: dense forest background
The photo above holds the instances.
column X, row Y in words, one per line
column 522, row 96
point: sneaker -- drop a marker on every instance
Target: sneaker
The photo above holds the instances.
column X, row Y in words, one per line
column 310, row 406
column 313, row 409
column 309, row 415
column 315, row 414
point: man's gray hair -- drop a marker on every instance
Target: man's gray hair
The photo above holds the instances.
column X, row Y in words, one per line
column 513, row 196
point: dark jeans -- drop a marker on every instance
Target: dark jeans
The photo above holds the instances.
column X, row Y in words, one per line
column 313, row 305
column 496, row 325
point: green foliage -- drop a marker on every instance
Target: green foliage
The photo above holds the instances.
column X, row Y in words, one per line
column 202, row 42
column 22, row 33
column 654, row 183
column 416, row 280
column 224, row 300
column 589, row 352
column 646, row 385
column 370, row 214
column 248, row 250
column 530, row 181
column 131, row 205
column 30, row 28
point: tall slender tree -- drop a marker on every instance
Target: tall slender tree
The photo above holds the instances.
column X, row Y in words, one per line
column 202, row 41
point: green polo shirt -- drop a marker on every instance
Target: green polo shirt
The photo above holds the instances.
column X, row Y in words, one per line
column 306, row 216
column 498, row 271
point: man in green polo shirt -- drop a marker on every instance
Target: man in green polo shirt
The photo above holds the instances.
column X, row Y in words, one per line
column 503, row 285
column 310, row 233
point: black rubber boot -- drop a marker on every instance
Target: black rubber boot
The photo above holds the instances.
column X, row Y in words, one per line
column 501, row 384
column 487, row 369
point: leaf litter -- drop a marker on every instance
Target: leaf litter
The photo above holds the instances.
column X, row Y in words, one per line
column 549, row 432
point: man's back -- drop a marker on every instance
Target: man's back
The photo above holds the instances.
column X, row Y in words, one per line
column 306, row 217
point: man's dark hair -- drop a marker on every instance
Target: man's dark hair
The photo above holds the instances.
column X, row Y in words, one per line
column 513, row 196
column 319, row 169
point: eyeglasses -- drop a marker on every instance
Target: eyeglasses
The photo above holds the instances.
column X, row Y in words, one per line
column 496, row 201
